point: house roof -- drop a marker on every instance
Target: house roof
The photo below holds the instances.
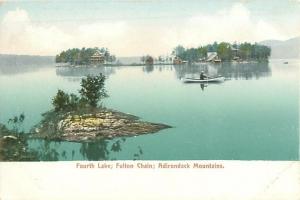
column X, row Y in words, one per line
column 211, row 56
column 97, row 54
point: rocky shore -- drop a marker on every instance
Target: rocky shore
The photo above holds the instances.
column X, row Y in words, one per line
column 13, row 146
column 88, row 127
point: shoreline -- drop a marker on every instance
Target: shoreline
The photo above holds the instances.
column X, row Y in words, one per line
column 160, row 64
column 91, row 126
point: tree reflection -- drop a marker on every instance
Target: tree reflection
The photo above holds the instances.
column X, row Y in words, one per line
column 104, row 150
column 47, row 153
column 148, row 68
column 19, row 64
column 138, row 155
column 226, row 69
column 76, row 73
column 245, row 70
column 95, row 150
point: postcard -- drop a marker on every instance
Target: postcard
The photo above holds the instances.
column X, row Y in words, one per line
column 149, row 99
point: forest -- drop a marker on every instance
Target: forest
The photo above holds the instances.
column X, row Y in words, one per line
column 82, row 56
column 226, row 52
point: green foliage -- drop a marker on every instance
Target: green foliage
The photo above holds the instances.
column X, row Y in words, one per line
column 178, row 51
column 13, row 142
column 82, row 56
column 191, row 54
column 16, row 122
column 202, row 51
column 245, row 50
column 14, row 147
column 254, row 51
column 17, row 119
column 148, row 59
column 61, row 101
column 212, row 47
column 74, row 101
column 92, row 89
column 91, row 92
column 225, row 51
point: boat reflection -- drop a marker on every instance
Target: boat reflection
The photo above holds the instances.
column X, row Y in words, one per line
column 202, row 85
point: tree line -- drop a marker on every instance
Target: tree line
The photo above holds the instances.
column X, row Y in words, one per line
column 82, row 56
column 225, row 51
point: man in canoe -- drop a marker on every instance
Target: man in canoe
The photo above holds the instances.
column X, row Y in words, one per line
column 203, row 76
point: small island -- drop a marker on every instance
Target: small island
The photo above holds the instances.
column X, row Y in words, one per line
column 221, row 52
column 75, row 118
column 85, row 57
column 80, row 119
column 101, row 124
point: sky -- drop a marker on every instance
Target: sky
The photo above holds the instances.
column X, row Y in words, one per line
column 140, row 27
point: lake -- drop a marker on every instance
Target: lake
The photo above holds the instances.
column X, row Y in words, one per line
column 254, row 115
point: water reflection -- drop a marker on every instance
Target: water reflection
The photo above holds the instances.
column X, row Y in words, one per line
column 202, row 85
column 46, row 152
column 152, row 68
column 97, row 150
column 245, row 70
column 106, row 150
column 13, row 64
column 228, row 70
column 138, row 155
column 267, row 130
column 148, row 68
column 75, row 73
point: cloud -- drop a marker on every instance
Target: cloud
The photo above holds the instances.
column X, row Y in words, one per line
column 228, row 25
column 19, row 35
column 2, row 2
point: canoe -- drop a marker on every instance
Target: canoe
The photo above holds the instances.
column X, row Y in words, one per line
column 209, row 80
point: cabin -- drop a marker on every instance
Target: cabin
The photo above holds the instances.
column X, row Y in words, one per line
column 97, row 58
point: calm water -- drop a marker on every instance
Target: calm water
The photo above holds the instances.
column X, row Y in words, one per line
column 252, row 116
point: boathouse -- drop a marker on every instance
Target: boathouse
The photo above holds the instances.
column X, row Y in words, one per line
column 212, row 57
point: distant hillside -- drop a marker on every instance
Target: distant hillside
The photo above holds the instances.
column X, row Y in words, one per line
column 14, row 64
column 15, row 60
column 284, row 49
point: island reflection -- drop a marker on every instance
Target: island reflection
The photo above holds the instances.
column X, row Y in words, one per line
column 95, row 151
column 226, row 69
